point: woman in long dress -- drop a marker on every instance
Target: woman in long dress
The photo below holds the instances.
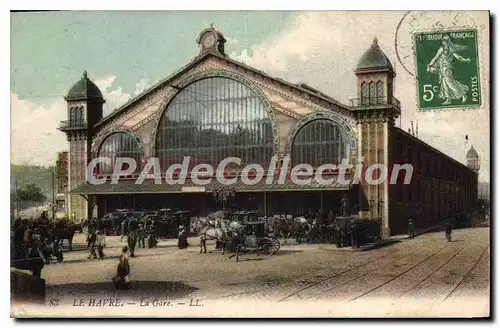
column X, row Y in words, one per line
column 450, row 88
column 121, row 280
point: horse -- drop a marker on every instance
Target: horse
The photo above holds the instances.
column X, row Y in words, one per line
column 296, row 228
column 81, row 225
column 209, row 232
column 64, row 229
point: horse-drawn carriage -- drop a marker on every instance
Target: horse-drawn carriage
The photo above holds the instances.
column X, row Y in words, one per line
column 256, row 238
column 167, row 224
column 244, row 216
column 111, row 222
column 252, row 237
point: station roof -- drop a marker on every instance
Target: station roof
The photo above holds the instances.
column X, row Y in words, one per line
column 149, row 187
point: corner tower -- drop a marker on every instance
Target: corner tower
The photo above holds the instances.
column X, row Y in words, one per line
column 375, row 109
column 472, row 158
column 84, row 109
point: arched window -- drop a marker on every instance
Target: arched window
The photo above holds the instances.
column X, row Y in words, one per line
column 373, row 93
column 72, row 115
column 364, row 93
column 120, row 144
column 380, row 92
column 76, row 117
column 212, row 119
column 320, row 142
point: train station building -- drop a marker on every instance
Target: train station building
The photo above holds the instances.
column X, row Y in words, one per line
column 215, row 107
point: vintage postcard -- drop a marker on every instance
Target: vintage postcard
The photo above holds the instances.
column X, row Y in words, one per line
column 251, row 164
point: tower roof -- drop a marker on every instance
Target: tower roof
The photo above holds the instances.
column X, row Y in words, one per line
column 374, row 58
column 472, row 153
column 84, row 89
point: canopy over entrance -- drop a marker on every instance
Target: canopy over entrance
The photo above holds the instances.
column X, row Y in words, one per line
column 149, row 187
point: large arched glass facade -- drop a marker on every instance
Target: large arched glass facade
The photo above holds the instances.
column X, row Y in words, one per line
column 120, row 144
column 320, row 142
column 212, row 119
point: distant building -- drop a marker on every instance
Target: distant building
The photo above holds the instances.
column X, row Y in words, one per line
column 484, row 190
column 215, row 107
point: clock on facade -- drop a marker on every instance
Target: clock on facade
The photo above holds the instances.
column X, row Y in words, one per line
column 208, row 40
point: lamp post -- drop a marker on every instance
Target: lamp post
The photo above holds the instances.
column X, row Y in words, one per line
column 380, row 207
column 224, row 196
column 372, row 205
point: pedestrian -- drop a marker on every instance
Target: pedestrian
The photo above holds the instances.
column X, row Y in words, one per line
column 122, row 278
column 91, row 242
column 124, row 225
column 411, row 229
column 151, row 236
column 132, row 241
column 449, row 228
column 354, row 235
column 338, row 235
column 182, row 237
column 100, row 243
column 142, row 236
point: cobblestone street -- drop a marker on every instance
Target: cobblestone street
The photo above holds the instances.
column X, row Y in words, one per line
column 428, row 270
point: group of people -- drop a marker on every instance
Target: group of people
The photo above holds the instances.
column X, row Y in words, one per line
column 346, row 234
column 450, row 223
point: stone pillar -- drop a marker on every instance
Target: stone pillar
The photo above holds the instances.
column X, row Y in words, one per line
column 374, row 202
column 77, row 175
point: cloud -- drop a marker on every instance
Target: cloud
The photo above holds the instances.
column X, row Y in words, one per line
column 34, row 135
column 114, row 96
column 37, row 144
column 141, row 86
column 322, row 50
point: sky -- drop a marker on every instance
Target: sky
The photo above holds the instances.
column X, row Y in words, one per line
column 126, row 52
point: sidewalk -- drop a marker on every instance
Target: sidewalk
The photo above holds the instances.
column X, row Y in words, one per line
column 418, row 232
column 366, row 247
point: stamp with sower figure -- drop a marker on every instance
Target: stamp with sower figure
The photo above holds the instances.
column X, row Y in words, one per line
column 447, row 67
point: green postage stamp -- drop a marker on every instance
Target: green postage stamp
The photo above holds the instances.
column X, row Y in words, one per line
column 448, row 69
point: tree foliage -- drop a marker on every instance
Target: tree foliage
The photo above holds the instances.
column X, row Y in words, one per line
column 31, row 193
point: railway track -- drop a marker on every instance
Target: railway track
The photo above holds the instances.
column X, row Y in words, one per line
column 327, row 279
column 409, row 269
column 467, row 275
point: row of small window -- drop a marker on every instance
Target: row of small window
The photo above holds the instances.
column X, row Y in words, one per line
column 427, row 165
column 186, row 138
column 421, row 191
column 372, row 90
column 76, row 114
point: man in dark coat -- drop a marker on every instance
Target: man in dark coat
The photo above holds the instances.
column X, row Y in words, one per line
column 449, row 228
column 142, row 235
column 354, row 234
column 457, row 220
column 411, row 228
column 92, row 239
column 132, row 236
column 339, row 235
